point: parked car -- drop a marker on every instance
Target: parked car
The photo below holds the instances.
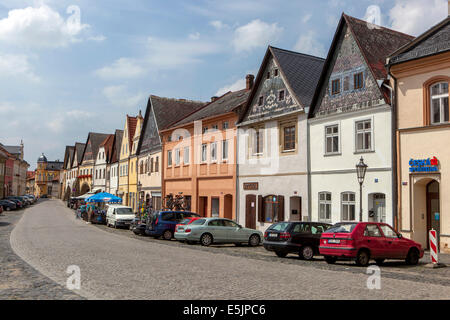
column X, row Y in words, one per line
column 302, row 238
column 218, row 230
column 25, row 199
column 18, row 203
column 183, row 224
column 363, row 241
column 163, row 223
column 119, row 216
column 31, row 198
column 8, row 205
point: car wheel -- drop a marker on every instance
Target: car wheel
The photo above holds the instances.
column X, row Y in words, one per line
column 8, row 209
column 206, row 239
column 413, row 257
column 379, row 262
column 167, row 235
column 362, row 258
column 330, row 260
column 254, row 240
column 307, row 252
column 281, row 254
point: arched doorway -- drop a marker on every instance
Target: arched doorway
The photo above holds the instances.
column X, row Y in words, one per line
column 85, row 188
column 433, row 209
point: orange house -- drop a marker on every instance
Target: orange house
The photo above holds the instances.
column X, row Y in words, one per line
column 199, row 156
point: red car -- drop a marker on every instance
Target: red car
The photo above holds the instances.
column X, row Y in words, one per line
column 185, row 222
column 363, row 241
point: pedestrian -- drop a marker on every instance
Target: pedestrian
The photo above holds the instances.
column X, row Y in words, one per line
column 89, row 210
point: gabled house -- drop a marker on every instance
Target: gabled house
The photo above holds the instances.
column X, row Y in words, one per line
column 66, row 173
column 74, row 169
column 160, row 114
column 124, row 159
column 420, row 76
column 99, row 172
column 272, row 140
column 86, row 166
column 133, row 161
column 351, row 120
column 200, row 156
column 112, row 168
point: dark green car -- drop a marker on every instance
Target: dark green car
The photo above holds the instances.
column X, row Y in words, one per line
column 217, row 230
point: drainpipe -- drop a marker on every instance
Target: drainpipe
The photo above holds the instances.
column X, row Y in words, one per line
column 308, row 164
column 237, row 211
column 394, row 151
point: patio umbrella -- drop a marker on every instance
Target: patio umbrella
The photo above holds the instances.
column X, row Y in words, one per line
column 104, row 197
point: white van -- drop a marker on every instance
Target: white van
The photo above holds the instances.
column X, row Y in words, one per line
column 118, row 215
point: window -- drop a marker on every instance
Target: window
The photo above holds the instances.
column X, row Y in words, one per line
column 169, row 138
column 177, row 157
column 268, row 75
column 225, row 150
column 275, row 73
column 281, row 95
column 157, row 164
column 225, row 125
column 439, row 103
column 258, row 141
column 150, row 169
column 325, row 206
column 358, row 80
column 348, row 206
column 214, row 151
column 186, row 155
column 346, row 83
column 388, row 231
column 289, row 138
column 204, row 150
column 260, row 101
column 169, row 158
column 364, row 135
column 372, row 231
column 335, row 86
column 214, row 127
column 332, row 139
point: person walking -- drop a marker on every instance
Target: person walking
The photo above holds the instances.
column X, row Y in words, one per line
column 90, row 211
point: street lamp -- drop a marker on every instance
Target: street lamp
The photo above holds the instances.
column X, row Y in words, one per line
column 139, row 199
column 361, row 168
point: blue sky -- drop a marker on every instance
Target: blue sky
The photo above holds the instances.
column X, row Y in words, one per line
column 61, row 77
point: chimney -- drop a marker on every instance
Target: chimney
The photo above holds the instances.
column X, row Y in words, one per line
column 214, row 98
column 249, row 81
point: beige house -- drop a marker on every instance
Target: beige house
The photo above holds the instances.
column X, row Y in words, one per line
column 420, row 75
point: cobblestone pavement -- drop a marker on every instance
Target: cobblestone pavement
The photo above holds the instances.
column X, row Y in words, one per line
column 116, row 264
column 18, row 280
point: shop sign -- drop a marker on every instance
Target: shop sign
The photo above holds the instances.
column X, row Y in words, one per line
column 424, row 165
column 251, row 186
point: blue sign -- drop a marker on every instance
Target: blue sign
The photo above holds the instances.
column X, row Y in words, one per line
column 424, row 165
column 436, row 216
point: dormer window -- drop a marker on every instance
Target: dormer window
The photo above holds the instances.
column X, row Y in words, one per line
column 281, row 95
column 275, row 73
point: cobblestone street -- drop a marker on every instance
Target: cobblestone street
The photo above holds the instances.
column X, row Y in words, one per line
column 116, row 264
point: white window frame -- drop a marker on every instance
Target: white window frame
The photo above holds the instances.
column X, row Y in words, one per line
column 177, row 156
column 363, row 131
column 169, row 158
column 203, row 153
column 257, row 132
column 439, row 97
column 186, row 155
column 331, row 136
column 348, row 202
column 326, row 203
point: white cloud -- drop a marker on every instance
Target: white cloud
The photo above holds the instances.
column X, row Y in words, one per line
column 16, row 66
column 255, row 34
column 306, row 17
column 308, row 43
column 238, row 85
column 6, row 108
column 123, row 68
column 219, row 25
column 416, row 16
column 98, row 38
column 41, row 27
column 119, row 96
column 194, row 36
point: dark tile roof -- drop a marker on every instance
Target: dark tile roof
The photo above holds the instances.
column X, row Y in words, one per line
column 108, row 145
column 433, row 41
column 169, row 111
column 68, row 154
column 224, row 104
column 54, row 165
column 131, row 124
column 14, row 150
column 79, row 148
column 376, row 44
column 117, row 144
column 301, row 71
column 96, row 139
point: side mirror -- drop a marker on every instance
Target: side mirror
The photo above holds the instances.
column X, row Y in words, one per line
column 239, row 226
column 399, row 235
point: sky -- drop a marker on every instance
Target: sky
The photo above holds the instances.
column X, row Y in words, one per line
column 70, row 67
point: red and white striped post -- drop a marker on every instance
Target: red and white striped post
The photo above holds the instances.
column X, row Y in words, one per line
column 433, row 247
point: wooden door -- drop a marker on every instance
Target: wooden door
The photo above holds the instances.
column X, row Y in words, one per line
column 250, row 211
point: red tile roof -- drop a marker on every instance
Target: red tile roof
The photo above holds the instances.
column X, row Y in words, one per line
column 131, row 124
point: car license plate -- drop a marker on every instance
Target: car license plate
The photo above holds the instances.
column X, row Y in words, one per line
column 334, row 241
column 273, row 235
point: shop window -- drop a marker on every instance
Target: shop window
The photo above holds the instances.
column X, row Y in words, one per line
column 325, row 206
column 363, row 135
column 332, row 139
column 348, row 206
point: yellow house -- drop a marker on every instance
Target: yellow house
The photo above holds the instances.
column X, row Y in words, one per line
column 133, row 166
column 124, row 157
column 420, row 73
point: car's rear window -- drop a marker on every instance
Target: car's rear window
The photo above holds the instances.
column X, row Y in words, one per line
column 198, row 222
column 124, row 211
column 185, row 221
column 341, row 228
column 282, row 226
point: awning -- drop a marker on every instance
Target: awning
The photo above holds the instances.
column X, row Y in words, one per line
column 104, row 197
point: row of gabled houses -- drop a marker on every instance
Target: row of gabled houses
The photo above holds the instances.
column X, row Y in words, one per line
column 13, row 171
column 285, row 146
